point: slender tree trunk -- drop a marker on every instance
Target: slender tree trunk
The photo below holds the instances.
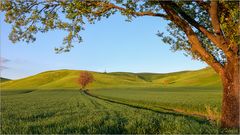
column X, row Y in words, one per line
column 231, row 100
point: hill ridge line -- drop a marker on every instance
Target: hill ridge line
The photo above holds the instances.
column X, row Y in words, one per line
column 67, row 79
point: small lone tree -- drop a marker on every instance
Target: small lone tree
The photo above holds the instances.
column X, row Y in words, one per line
column 84, row 79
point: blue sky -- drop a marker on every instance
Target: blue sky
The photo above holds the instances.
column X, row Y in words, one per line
column 112, row 44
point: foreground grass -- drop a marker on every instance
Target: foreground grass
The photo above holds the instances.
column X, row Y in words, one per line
column 69, row 111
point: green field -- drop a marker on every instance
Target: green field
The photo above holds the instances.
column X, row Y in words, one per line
column 197, row 100
column 74, row 112
column 51, row 102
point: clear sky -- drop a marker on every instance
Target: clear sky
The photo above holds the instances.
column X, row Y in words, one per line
column 111, row 44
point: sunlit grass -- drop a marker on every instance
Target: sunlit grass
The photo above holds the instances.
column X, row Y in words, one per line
column 73, row 112
column 191, row 100
column 66, row 79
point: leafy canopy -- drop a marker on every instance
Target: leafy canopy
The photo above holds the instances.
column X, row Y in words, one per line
column 29, row 17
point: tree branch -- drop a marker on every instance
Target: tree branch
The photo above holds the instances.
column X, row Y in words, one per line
column 221, row 43
column 213, row 12
column 108, row 6
column 193, row 39
column 214, row 17
column 203, row 4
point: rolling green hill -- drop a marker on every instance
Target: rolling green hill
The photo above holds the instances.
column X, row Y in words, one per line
column 66, row 79
column 3, row 79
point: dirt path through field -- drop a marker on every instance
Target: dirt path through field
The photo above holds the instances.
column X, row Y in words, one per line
column 161, row 110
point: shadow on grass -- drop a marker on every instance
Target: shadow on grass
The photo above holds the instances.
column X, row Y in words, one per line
column 199, row 119
column 40, row 116
column 15, row 92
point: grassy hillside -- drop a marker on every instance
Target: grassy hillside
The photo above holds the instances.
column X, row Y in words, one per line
column 3, row 79
column 66, row 79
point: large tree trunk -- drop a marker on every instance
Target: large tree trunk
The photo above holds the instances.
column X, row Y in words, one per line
column 231, row 100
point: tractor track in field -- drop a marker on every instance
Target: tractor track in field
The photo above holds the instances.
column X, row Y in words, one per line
column 166, row 110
